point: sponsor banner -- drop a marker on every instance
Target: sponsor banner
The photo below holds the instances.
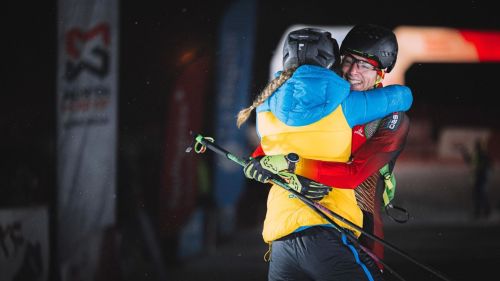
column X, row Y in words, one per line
column 87, row 70
column 24, row 244
column 234, row 73
column 180, row 181
column 442, row 45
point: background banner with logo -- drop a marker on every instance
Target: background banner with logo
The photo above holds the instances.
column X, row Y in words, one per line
column 87, row 75
column 182, row 183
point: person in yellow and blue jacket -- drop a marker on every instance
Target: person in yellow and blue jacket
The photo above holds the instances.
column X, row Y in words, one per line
column 309, row 110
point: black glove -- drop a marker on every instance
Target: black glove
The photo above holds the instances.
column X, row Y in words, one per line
column 310, row 189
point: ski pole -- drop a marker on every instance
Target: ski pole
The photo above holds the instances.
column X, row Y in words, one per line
column 320, row 209
column 209, row 143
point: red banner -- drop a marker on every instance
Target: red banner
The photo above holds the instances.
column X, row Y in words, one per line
column 180, row 187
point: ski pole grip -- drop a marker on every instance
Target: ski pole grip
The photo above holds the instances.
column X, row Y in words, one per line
column 219, row 150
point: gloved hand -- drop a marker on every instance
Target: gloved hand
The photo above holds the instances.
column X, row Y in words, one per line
column 310, row 189
column 263, row 168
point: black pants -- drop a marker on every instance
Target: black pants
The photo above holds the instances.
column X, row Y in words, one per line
column 320, row 254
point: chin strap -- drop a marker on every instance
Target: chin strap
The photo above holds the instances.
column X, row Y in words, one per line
column 380, row 78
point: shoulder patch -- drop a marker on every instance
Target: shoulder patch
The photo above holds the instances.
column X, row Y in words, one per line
column 359, row 131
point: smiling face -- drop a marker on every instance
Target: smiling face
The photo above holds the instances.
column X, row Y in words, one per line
column 359, row 72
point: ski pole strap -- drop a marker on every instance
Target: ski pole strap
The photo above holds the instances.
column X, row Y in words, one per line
column 199, row 147
column 208, row 142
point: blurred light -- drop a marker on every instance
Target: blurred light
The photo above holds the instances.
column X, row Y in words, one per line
column 187, row 57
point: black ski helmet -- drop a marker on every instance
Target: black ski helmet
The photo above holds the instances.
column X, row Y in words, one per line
column 373, row 42
column 310, row 46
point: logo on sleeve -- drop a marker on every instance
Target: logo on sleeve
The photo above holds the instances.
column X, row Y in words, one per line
column 393, row 122
column 359, row 131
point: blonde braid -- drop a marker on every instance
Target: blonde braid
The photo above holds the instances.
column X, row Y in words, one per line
column 267, row 92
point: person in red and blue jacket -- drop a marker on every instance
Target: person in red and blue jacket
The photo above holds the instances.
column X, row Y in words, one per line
column 310, row 111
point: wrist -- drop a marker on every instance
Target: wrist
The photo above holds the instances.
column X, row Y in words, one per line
column 292, row 159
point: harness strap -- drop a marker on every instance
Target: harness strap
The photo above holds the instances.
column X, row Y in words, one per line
column 390, row 184
column 388, row 195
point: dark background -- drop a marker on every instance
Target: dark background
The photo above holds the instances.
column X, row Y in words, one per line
column 154, row 34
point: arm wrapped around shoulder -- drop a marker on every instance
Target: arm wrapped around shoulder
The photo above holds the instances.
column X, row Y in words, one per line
column 361, row 107
column 399, row 98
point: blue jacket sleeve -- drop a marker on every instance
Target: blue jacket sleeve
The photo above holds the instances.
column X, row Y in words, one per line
column 361, row 107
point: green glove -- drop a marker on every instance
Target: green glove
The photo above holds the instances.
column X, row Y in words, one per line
column 310, row 189
column 264, row 167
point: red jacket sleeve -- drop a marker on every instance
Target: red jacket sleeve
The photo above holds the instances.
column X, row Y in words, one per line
column 258, row 152
column 382, row 147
